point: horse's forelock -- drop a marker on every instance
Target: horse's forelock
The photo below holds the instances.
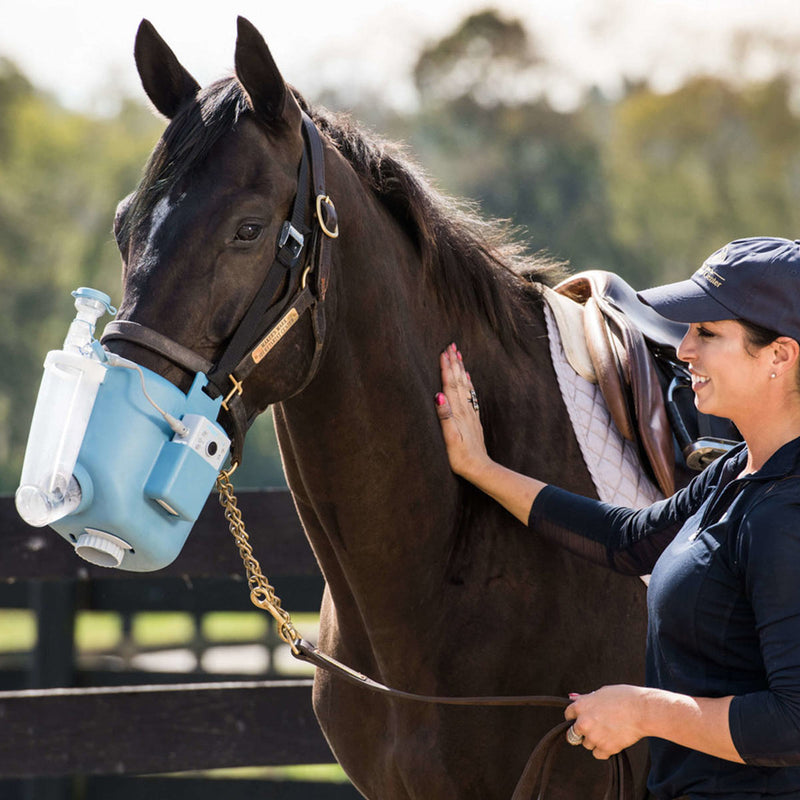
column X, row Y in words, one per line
column 185, row 143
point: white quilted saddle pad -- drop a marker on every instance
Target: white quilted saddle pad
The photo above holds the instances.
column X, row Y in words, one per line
column 612, row 460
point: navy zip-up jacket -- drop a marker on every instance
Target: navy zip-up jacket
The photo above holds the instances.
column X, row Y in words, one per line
column 723, row 611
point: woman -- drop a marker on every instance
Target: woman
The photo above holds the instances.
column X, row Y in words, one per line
column 722, row 703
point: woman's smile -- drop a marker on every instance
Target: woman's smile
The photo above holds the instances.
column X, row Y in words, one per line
column 698, row 380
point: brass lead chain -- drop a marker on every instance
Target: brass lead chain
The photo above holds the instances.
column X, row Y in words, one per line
column 262, row 594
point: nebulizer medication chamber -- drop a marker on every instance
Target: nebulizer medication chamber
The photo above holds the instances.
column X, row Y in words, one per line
column 48, row 489
column 119, row 460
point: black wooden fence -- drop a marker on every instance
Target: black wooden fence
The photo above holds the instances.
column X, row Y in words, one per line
column 72, row 733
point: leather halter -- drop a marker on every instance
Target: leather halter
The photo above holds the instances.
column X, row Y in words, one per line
column 302, row 263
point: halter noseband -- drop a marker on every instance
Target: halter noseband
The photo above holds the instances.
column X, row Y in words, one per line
column 302, row 253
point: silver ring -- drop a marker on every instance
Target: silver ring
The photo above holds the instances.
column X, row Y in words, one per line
column 574, row 738
column 473, row 399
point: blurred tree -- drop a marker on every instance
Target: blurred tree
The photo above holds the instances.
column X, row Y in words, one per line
column 540, row 168
column 691, row 170
column 261, row 463
column 646, row 186
column 485, row 135
column 484, row 58
column 60, row 177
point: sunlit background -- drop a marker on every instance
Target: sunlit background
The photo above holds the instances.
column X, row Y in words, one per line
column 633, row 135
column 630, row 135
column 82, row 50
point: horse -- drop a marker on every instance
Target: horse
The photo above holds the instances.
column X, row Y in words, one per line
column 430, row 587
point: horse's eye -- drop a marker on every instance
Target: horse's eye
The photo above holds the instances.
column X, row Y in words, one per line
column 248, row 232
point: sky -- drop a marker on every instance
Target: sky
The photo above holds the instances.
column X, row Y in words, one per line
column 82, row 49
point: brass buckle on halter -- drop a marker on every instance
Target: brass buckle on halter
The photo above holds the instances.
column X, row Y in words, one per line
column 236, row 391
column 331, row 234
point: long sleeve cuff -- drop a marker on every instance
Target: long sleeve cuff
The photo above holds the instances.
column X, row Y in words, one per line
column 765, row 729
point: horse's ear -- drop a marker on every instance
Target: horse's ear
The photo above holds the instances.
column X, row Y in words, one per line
column 270, row 97
column 167, row 83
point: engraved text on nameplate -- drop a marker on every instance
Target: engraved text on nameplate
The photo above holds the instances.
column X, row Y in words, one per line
column 274, row 336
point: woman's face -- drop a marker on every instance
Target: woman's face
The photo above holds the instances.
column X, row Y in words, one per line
column 729, row 375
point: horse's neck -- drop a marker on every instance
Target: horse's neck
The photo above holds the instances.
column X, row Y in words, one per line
column 364, row 434
column 362, row 445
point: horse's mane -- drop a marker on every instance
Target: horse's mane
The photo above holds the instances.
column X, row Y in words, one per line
column 476, row 265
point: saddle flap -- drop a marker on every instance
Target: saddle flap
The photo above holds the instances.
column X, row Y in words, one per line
column 624, row 366
column 609, row 369
column 652, row 423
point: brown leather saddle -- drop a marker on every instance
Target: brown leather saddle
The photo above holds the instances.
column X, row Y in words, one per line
column 646, row 388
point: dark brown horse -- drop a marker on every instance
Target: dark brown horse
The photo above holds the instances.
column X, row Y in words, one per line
column 431, row 587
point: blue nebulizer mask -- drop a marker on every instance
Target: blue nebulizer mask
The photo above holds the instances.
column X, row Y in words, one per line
column 119, row 461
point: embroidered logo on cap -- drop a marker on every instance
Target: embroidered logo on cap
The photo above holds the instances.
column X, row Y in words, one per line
column 714, row 278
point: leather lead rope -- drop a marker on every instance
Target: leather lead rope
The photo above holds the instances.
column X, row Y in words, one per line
column 537, row 772
column 538, row 769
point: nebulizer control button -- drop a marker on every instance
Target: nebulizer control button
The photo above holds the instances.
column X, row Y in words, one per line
column 101, row 548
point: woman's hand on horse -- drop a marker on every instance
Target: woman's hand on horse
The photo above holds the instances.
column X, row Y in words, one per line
column 609, row 719
column 459, row 415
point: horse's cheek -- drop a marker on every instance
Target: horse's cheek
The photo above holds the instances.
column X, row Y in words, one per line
column 226, row 315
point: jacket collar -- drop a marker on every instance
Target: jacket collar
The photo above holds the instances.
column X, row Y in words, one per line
column 783, row 462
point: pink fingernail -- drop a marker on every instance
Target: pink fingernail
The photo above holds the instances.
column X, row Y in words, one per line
column 440, row 399
column 573, row 695
column 460, row 357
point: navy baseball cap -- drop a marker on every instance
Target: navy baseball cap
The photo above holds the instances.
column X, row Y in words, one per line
column 756, row 280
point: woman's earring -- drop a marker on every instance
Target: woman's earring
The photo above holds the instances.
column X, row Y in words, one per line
column 773, row 375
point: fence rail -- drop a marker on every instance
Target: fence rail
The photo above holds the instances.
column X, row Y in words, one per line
column 76, row 740
column 151, row 729
column 40, row 553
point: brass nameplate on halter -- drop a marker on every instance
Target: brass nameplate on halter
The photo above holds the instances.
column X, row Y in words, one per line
column 275, row 335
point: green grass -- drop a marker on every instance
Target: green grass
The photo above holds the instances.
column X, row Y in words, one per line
column 17, row 630
column 229, row 626
column 102, row 630
column 313, row 773
column 97, row 630
column 167, row 628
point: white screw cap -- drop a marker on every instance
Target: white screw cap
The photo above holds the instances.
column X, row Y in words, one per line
column 101, row 548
